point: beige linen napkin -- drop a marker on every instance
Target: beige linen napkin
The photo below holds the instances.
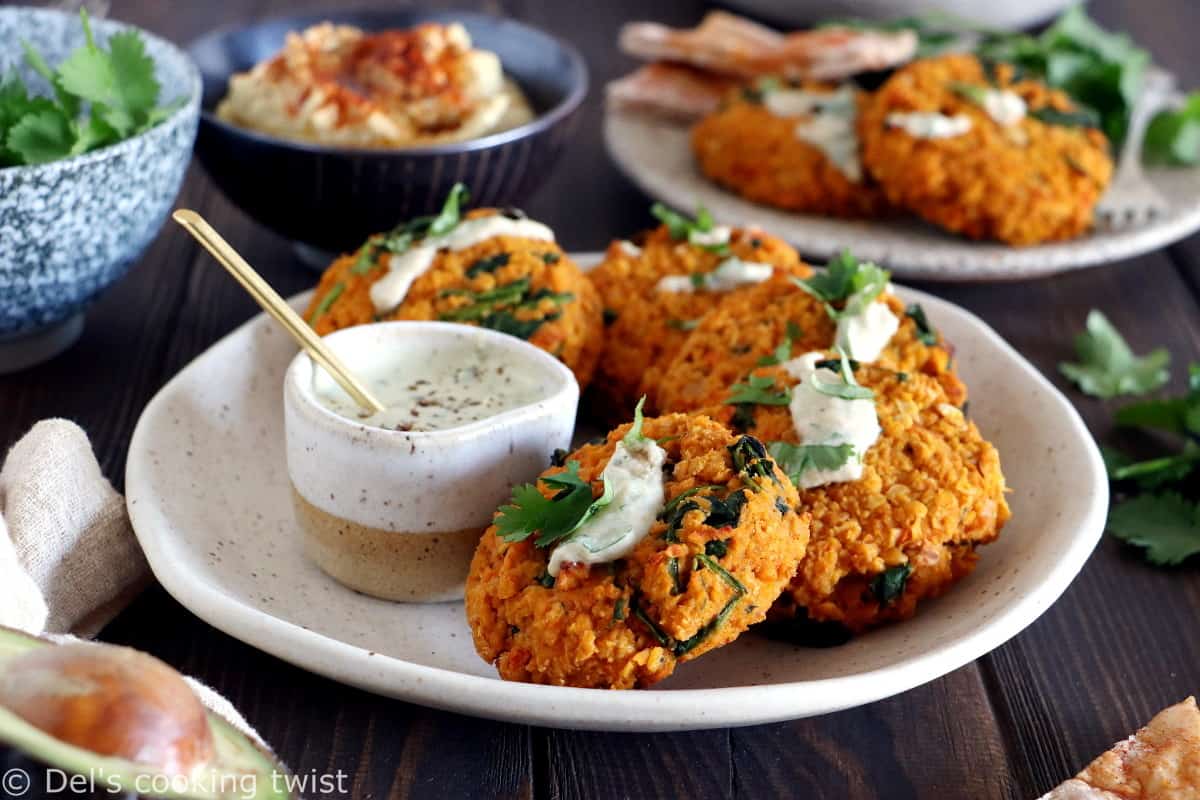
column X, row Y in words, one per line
column 68, row 558
column 69, row 561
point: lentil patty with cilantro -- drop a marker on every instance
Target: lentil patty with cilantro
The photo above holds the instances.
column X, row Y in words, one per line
column 930, row 492
column 722, row 545
column 750, row 149
column 753, row 326
column 1013, row 161
column 522, row 286
column 647, row 322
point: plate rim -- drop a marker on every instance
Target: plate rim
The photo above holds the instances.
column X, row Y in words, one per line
column 1018, row 263
column 600, row 709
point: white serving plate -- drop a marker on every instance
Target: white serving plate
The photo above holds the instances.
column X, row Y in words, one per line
column 208, row 494
column 655, row 155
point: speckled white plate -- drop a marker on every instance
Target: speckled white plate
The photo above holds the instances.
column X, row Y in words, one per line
column 208, row 493
column 655, row 155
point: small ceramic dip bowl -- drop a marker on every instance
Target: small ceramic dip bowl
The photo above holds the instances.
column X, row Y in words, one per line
column 393, row 505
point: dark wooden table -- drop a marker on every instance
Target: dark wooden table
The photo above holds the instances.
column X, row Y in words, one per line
column 1120, row 645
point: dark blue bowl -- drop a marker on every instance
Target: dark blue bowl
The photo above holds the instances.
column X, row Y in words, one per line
column 332, row 198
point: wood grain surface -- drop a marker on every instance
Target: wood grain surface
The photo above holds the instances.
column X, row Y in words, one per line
column 1115, row 649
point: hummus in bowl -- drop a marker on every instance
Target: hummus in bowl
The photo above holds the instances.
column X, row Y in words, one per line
column 339, row 85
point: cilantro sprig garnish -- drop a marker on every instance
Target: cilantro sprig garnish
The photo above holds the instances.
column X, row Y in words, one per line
column 554, row 519
column 100, row 97
column 400, row 238
column 887, row 586
column 1165, row 525
column 1107, row 367
column 926, row 333
column 686, row 229
column 847, row 286
column 846, row 388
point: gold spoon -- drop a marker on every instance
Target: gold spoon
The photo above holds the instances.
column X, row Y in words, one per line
column 276, row 306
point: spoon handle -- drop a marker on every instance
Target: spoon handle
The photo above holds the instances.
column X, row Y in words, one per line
column 276, row 306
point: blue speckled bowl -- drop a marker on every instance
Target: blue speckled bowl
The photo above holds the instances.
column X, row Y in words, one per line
column 70, row 228
column 331, row 198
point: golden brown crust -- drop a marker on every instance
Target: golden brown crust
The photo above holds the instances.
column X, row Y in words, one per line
column 931, row 491
column 729, row 342
column 646, row 326
column 750, row 151
column 1022, row 184
column 572, row 327
column 588, row 628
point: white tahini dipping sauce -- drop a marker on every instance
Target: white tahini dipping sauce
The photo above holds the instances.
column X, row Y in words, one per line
column 635, row 478
column 462, row 386
column 406, row 267
column 1005, row 107
column 864, row 335
column 822, row 419
column 930, row 124
column 830, row 126
column 730, row 274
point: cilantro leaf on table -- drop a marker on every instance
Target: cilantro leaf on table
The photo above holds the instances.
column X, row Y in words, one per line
column 1178, row 415
column 1153, row 473
column 551, row 518
column 1165, row 525
column 797, row 459
column 1107, row 367
column 759, row 389
column 1174, row 136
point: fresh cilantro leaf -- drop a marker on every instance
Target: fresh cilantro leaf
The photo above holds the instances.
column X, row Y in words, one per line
column 553, row 518
column 133, row 74
column 759, row 389
column 67, row 101
column 451, row 212
column 1165, row 525
column 45, row 135
column 1155, row 472
column 887, row 586
column 634, row 437
column 682, row 228
column 1108, row 368
column 678, row 225
column 847, row 388
column 849, row 281
column 1174, row 136
column 926, row 333
column 797, row 459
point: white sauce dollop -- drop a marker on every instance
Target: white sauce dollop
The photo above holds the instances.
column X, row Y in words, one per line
column 714, row 237
column 1006, row 108
column 406, row 267
column 831, row 128
column 629, row 248
column 822, row 419
column 930, row 124
column 730, row 274
column 462, row 385
column 634, row 476
column 864, row 335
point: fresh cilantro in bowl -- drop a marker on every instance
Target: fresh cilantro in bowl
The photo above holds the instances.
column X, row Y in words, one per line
column 100, row 97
